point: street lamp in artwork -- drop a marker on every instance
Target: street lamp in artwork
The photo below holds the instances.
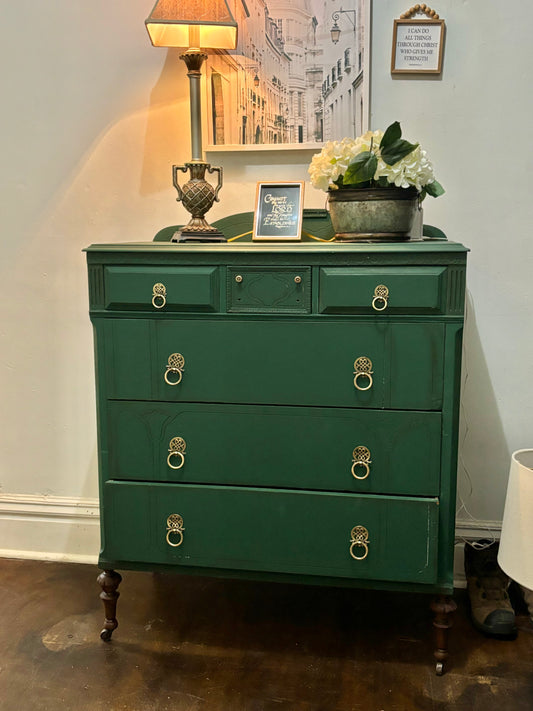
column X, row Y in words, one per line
column 336, row 30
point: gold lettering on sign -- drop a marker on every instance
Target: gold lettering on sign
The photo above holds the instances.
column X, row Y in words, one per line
column 280, row 211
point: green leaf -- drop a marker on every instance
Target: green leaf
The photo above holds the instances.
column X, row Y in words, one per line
column 396, row 151
column 391, row 135
column 361, row 169
column 434, row 189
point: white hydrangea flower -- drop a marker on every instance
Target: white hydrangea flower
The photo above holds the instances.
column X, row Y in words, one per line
column 415, row 169
column 333, row 160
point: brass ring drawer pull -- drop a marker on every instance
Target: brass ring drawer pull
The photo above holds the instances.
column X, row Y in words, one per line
column 359, row 539
column 381, row 298
column 361, row 458
column 159, row 296
column 363, row 369
column 176, row 448
column 175, row 528
column 175, row 366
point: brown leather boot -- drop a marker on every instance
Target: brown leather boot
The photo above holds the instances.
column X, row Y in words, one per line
column 492, row 612
column 528, row 599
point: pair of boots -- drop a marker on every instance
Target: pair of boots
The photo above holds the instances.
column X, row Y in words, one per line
column 487, row 584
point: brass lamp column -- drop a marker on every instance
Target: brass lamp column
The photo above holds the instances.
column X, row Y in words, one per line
column 198, row 25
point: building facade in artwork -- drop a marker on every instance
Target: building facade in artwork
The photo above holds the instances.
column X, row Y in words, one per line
column 287, row 81
column 343, row 94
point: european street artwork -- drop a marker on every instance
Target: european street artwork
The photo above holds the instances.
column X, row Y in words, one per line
column 297, row 75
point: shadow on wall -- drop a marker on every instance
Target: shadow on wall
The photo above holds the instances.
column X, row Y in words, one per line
column 167, row 142
column 167, row 139
column 483, row 449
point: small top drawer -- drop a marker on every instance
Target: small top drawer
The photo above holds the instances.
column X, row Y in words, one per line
column 159, row 289
column 381, row 289
column 269, row 290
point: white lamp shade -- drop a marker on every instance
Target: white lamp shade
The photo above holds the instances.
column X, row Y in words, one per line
column 206, row 24
column 515, row 554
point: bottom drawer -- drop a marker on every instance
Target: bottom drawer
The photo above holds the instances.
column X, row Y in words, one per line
column 269, row 530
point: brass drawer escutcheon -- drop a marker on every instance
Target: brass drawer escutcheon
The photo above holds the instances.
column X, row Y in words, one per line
column 359, row 539
column 361, row 458
column 176, row 363
column 175, row 528
column 176, row 448
column 381, row 298
column 363, row 369
column 159, row 296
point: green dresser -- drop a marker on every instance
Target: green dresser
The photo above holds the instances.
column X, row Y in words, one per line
column 280, row 412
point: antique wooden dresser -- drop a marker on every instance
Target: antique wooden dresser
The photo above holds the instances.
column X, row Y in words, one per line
column 280, row 412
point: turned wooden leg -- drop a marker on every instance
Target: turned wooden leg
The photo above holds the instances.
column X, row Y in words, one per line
column 443, row 606
column 109, row 581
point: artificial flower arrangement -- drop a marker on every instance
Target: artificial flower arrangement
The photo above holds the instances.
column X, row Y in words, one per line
column 374, row 160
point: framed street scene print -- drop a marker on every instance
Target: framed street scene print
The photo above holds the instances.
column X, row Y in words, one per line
column 298, row 77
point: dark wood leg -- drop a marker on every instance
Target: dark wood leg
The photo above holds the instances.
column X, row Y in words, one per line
column 443, row 606
column 109, row 581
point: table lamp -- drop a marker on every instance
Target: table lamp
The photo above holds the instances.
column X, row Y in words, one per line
column 196, row 25
column 515, row 554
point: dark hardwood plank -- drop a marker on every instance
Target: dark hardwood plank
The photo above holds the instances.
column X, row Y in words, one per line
column 197, row 644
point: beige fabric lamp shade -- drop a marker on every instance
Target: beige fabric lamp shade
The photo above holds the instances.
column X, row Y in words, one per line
column 516, row 543
column 203, row 24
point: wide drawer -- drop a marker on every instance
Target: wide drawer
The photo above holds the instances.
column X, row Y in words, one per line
column 381, row 290
column 307, row 533
column 394, row 452
column 160, row 289
column 300, row 362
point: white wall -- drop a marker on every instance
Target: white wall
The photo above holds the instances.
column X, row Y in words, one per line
column 475, row 123
column 93, row 118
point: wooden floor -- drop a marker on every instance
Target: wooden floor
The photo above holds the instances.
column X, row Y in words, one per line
column 193, row 644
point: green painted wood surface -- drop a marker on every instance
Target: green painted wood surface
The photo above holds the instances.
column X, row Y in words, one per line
column 277, row 362
column 241, row 365
column 269, row 290
column 411, row 289
column 285, row 447
column 306, row 533
column 187, row 289
column 316, row 223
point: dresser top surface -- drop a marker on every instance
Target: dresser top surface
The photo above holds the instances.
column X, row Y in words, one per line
column 410, row 247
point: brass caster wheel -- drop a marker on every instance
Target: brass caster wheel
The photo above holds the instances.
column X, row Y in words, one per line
column 439, row 668
column 105, row 635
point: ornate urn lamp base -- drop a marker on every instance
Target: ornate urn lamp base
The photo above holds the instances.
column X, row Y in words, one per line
column 197, row 196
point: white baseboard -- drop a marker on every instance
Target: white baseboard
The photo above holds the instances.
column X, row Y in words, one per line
column 474, row 530
column 56, row 528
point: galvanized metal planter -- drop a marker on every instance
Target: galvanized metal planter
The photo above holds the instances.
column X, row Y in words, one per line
column 380, row 214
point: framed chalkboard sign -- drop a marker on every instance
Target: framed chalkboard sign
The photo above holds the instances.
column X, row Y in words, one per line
column 278, row 211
